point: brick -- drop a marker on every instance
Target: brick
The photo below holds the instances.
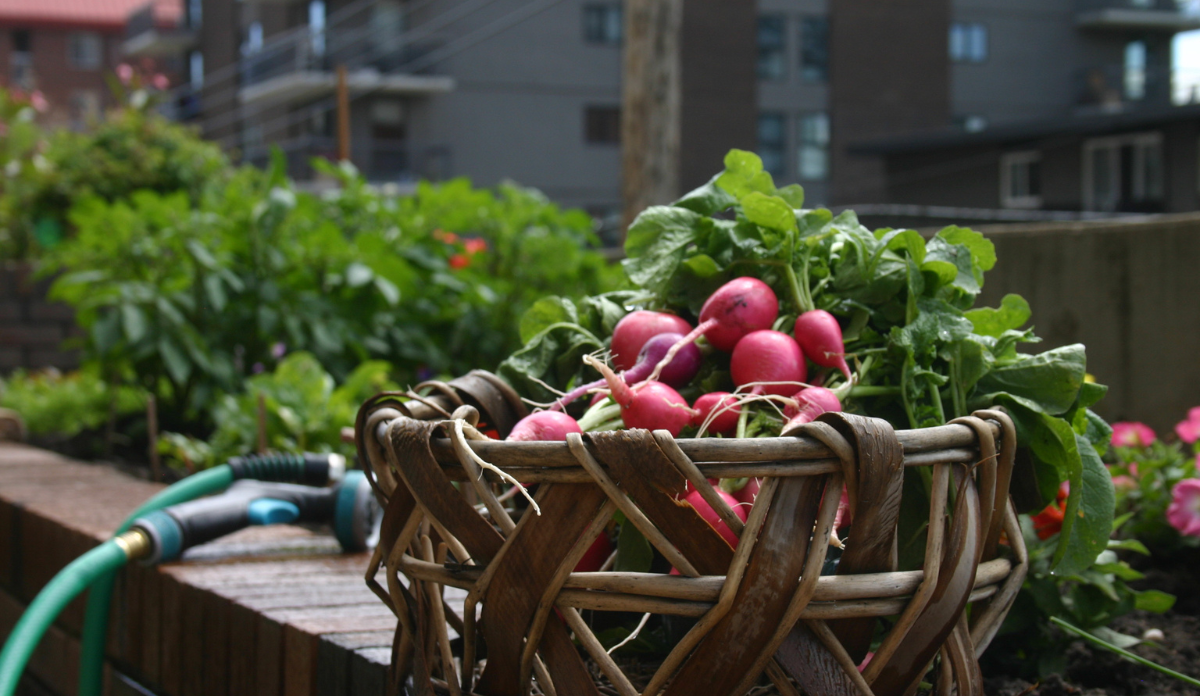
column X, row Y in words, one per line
column 26, row 335
column 11, row 358
column 368, row 671
column 194, row 643
column 172, row 635
column 53, row 311
column 63, row 360
column 11, row 310
column 243, row 635
column 216, row 644
column 333, row 658
column 151, row 638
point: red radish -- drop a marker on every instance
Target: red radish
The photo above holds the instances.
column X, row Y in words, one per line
column 651, row 405
column 682, row 368
column 543, row 426
column 635, row 328
column 713, row 519
column 687, row 485
column 769, row 357
column 594, row 558
column 747, row 493
column 810, row 403
column 726, row 420
column 820, row 337
column 737, row 308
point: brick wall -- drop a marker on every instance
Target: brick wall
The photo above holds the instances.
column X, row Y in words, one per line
column 32, row 329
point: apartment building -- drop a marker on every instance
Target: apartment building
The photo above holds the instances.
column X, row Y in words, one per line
column 63, row 50
column 829, row 92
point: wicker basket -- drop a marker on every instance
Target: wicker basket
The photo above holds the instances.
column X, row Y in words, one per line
column 762, row 609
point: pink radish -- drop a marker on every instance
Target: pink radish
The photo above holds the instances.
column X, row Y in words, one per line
column 747, row 493
column 820, row 337
column 543, row 426
column 713, row 519
column 677, row 373
column 651, row 405
column 635, row 328
column 726, row 420
column 594, row 558
column 771, row 358
column 738, row 307
column 810, row 403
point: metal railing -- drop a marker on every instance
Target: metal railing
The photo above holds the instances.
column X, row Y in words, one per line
column 1186, row 7
column 1116, row 87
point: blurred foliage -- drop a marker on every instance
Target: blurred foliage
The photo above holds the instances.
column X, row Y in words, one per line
column 53, row 403
column 304, row 412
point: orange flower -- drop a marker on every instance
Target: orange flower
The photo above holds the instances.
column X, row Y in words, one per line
column 1049, row 521
column 447, row 237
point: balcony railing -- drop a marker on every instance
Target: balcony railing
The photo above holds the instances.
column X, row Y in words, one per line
column 150, row 32
column 1117, row 88
column 307, row 50
column 380, row 160
column 1150, row 15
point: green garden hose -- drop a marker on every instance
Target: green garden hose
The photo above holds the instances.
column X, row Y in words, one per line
column 95, row 622
column 312, row 469
column 74, row 579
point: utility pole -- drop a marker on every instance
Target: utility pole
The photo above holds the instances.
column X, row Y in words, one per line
column 650, row 105
column 343, row 116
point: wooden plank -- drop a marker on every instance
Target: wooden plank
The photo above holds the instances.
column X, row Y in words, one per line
column 243, row 634
column 151, row 638
column 194, row 642
column 217, row 636
column 171, row 633
column 368, row 671
column 334, row 656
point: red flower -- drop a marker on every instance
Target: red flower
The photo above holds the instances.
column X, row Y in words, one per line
column 1049, row 521
column 475, row 246
column 458, row 261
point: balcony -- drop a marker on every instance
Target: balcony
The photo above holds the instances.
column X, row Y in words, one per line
column 158, row 30
column 1168, row 16
column 300, row 67
column 379, row 160
column 1114, row 88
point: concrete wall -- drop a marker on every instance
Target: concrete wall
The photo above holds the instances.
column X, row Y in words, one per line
column 1127, row 290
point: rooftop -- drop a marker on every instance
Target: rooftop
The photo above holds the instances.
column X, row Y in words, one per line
column 99, row 14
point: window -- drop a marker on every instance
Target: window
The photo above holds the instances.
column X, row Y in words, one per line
column 1021, row 180
column 194, row 13
column 968, row 42
column 772, row 143
column 22, row 41
column 1135, row 70
column 812, row 156
column 770, row 47
column 814, row 49
column 602, row 24
column 254, row 39
column 602, row 125
column 85, row 50
column 21, row 60
column 85, row 106
column 316, row 26
column 196, row 69
column 1124, row 173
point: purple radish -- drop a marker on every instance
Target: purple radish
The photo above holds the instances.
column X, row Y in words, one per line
column 725, row 422
column 543, row 426
column 810, row 403
column 650, row 405
column 820, row 337
column 682, row 368
column 770, row 357
column 636, row 328
column 737, row 308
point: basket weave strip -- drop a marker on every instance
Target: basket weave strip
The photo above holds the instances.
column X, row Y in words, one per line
column 762, row 609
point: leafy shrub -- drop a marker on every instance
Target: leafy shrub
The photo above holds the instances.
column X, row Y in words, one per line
column 304, row 412
column 130, row 149
column 191, row 298
column 52, row 403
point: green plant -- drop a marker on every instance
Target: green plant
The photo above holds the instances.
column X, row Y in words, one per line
column 130, row 149
column 194, row 298
column 1147, row 473
column 923, row 353
column 304, row 412
column 53, row 403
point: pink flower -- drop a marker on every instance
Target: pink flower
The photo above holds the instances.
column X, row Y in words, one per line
column 1124, row 483
column 161, row 82
column 1127, row 434
column 124, row 73
column 1188, row 429
column 38, row 101
column 1184, row 511
column 474, row 246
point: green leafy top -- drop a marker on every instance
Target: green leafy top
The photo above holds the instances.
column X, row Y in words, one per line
column 924, row 354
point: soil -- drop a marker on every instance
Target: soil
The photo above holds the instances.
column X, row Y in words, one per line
column 1093, row 671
